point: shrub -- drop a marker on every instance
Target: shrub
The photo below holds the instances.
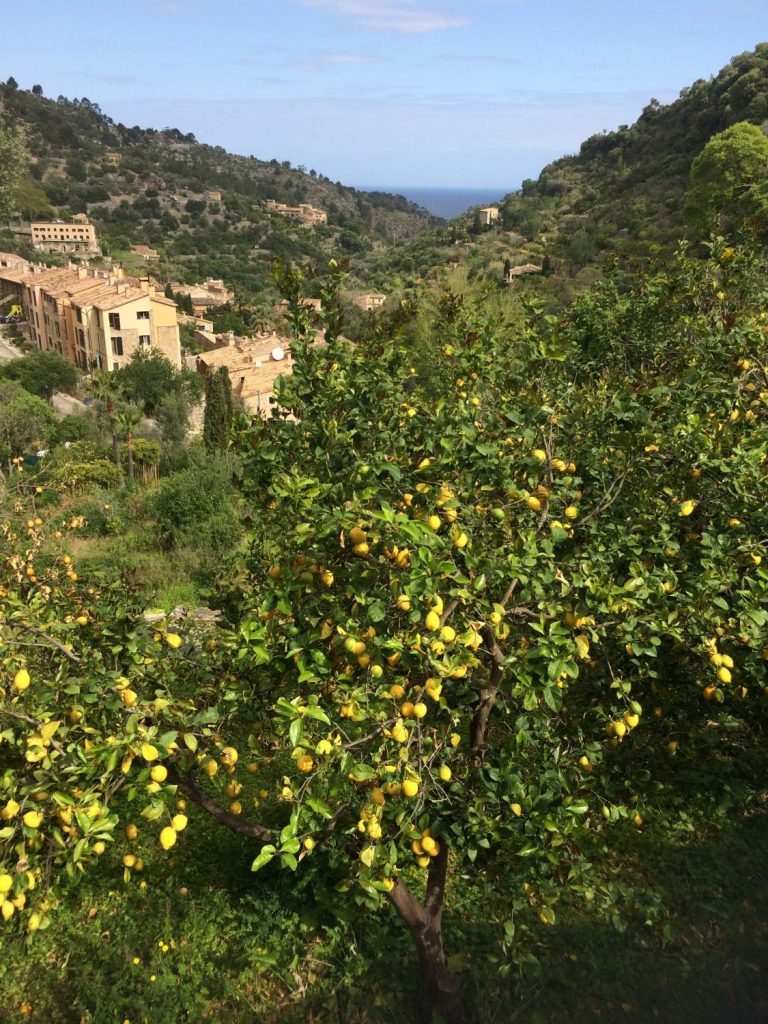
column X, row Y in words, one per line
column 197, row 505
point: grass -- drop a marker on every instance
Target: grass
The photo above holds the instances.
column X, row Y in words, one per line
column 214, row 942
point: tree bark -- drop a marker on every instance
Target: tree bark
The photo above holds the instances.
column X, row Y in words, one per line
column 129, row 452
column 439, row 989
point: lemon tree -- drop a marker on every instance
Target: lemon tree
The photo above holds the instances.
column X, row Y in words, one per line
column 492, row 584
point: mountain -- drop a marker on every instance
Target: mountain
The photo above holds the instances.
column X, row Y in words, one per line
column 624, row 191
column 203, row 209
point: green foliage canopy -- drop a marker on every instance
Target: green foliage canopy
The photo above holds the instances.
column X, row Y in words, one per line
column 42, row 373
column 13, row 163
column 728, row 188
column 492, row 586
column 25, row 421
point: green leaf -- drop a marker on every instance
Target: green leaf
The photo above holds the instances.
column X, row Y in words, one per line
column 318, row 714
column 295, row 731
column 320, row 807
column 266, row 855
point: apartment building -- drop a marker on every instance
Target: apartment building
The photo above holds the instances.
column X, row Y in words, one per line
column 96, row 319
column 77, row 238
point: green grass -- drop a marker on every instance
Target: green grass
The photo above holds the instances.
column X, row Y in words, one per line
column 268, row 947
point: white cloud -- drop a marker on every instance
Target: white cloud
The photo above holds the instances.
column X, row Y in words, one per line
column 330, row 59
column 406, row 16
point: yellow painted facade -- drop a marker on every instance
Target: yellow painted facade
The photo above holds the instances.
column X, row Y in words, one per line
column 96, row 319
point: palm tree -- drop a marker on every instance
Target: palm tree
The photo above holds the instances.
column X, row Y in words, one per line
column 127, row 421
column 107, row 388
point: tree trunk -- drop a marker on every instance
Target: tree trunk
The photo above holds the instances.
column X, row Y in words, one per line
column 129, row 452
column 116, row 448
column 439, row 989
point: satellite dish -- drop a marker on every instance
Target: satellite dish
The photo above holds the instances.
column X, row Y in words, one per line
column 278, row 353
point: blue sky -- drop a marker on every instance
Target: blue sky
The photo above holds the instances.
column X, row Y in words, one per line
column 441, row 93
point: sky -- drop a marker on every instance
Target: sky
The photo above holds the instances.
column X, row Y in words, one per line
column 427, row 93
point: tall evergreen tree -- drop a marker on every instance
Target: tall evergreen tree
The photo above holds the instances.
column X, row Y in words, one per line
column 218, row 410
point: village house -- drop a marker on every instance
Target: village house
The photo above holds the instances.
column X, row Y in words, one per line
column 97, row 319
column 10, row 261
column 213, row 196
column 253, row 365
column 199, row 323
column 147, row 254
column 316, row 305
column 78, row 238
column 370, row 301
column 303, row 213
column 488, row 215
column 522, row 271
column 205, row 296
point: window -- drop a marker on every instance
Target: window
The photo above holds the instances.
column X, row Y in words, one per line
column 143, row 314
column 115, row 366
column 80, row 338
column 79, row 314
column 144, row 340
column 114, row 321
column 117, row 346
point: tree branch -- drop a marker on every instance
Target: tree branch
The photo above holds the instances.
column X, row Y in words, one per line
column 189, row 787
column 53, row 642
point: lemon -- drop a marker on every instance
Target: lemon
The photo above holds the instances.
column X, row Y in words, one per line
column 410, row 787
column 432, row 621
column 167, row 837
column 21, row 680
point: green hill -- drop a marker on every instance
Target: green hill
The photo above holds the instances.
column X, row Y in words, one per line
column 144, row 186
column 624, row 191
column 623, row 194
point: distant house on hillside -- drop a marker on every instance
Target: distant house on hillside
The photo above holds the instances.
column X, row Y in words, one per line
column 150, row 255
column 204, row 296
column 522, row 271
column 213, row 196
column 370, row 301
column 308, row 301
column 488, row 215
column 305, row 214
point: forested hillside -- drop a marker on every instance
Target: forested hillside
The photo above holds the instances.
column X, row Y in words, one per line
column 625, row 189
column 141, row 185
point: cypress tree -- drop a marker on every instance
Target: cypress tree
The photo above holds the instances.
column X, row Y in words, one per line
column 218, row 410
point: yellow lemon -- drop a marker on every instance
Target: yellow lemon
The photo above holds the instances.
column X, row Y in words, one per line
column 21, row 680
column 167, row 837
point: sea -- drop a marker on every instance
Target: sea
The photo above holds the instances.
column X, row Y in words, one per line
column 444, row 202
